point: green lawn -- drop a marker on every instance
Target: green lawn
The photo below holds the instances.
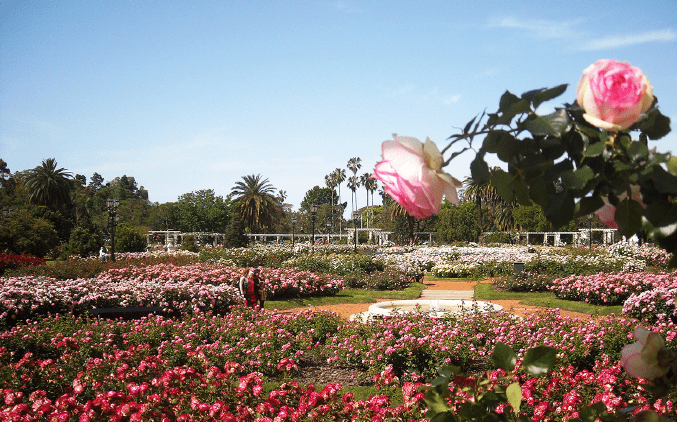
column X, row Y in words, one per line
column 349, row 296
column 486, row 291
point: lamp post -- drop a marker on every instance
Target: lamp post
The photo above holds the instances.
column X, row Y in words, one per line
column 113, row 218
column 293, row 226
column 355, row 215
column 328, row 232
column 590, row 232
column 313, row 212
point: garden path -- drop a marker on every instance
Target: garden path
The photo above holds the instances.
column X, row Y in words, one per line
column 441, row 290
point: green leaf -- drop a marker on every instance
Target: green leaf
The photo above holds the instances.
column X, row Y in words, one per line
column 521, row 191
column 539, row 126
column 672, row 165
column 660, row 224
column 629, row 217
column 436, row 402
column 638, row 151
column 504, row 357
column 560, row 208
column 655, row 125
column 479, row 170
column 588, row 205
column 507, row 100
column 514, row 394
column 594, row 150
column 467, row 127
column 577, row 179
column 592, row 412
column 539, row 360
column 663, row 181
column 502, row 181
column 548, row 94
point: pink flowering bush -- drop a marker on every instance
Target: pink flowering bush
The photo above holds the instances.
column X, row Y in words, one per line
column 655, row 306
column 610, row 288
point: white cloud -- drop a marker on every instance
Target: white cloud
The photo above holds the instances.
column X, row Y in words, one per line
column 451, row 99
column 612, row 42
column 539, row 28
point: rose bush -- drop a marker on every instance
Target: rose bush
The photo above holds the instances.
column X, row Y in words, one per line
column 614, row 94
column 412, row 174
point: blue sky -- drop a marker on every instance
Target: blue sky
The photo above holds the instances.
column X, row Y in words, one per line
column 194, row 95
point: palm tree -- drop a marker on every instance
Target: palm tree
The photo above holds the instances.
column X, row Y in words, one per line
column 255, row 201
column 50, row 186
column 353, row 184
column 330, row 181
column 478, row 192
column 371, row 184
column 365, row 180
column 354, row 164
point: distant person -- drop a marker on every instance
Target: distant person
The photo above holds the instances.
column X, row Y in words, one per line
column 103, row 254
column 262, row 292
column 250, row 287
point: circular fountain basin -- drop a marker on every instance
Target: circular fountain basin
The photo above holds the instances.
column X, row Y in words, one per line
column 433, row 308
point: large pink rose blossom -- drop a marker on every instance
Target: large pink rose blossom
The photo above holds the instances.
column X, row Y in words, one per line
column 607, row 214
column 641, row 359
column 614, row 94
column 413, row 176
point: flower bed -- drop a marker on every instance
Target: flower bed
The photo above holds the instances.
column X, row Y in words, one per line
column 23, row 298
column 13, row 262
column 213, row 368
column 610, row 288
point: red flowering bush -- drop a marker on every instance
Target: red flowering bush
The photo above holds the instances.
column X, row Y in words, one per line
column 13, row 262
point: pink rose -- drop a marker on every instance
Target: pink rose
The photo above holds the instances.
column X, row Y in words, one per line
column 614, row 94
column 607, row 214
column 413, row 176
column 641, row 359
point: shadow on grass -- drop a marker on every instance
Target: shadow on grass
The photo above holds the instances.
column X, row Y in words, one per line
column 486, row 291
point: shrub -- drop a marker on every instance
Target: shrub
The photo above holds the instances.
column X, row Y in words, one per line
column 128, row 239
column 524, row 282
column 13, row 262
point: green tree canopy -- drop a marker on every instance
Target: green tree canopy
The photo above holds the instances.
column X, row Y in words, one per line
column 458, row 223
column 319, row 196
column 23, row 232
column 200, row 211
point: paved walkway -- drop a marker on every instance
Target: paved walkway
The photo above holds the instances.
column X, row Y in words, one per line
column 447, row 294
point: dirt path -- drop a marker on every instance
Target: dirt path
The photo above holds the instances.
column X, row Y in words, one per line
column 347, row 309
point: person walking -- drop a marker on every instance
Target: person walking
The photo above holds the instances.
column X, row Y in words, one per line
column 249, row 287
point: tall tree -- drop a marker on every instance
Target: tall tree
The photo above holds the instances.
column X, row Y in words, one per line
column 478, row 193
column 50, row 186
column 255, row 202
column 353, row 184
column 96, row 181
column 354, row 164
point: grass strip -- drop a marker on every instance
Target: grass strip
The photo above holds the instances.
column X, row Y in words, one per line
column 349, row 296
column 486, row 291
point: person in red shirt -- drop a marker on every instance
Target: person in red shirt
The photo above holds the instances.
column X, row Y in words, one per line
column 250, row 288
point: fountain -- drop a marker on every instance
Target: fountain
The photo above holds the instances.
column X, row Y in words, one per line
column 432, row 308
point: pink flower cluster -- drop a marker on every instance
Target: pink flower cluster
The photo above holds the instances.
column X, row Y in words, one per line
column 610, row 288
column 186, row 394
